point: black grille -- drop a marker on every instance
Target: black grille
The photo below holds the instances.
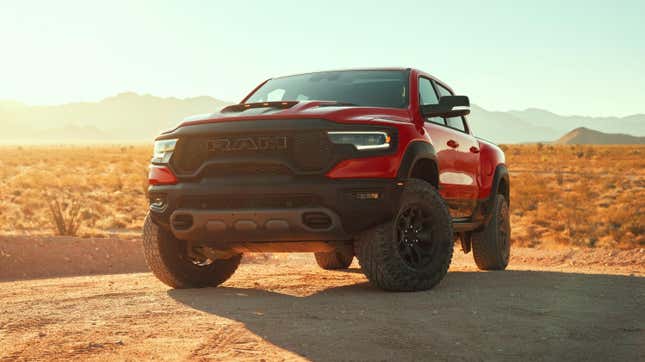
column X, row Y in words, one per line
column 305, row 152
column 256, row 202
column 311, row 151
column 190, row 153
column 246, row 169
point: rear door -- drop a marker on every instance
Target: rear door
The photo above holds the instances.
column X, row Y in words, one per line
column 457, row 153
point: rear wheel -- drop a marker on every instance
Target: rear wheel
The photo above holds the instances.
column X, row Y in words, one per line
column 413, row 251
column 492, row 246
column 178, row 266
column 337, row 259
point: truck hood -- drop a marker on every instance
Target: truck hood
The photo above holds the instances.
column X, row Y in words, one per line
column 332, row 111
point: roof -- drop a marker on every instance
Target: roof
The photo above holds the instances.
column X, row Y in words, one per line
column 344, row 70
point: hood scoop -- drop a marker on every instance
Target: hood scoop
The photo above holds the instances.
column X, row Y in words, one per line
column 270, row 107
column 257, row 108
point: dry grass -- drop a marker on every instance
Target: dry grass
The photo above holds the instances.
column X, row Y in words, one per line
column 108, row 181
column 579, row 195
column 571, row 195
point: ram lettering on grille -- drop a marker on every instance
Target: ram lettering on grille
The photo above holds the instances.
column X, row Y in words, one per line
column 262, row 143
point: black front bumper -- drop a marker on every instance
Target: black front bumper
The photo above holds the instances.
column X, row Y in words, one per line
column 273, row 209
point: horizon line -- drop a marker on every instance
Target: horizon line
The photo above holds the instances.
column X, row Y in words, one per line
column 225, row 102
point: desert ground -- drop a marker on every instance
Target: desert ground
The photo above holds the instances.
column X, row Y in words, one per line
column 575, row 287
column 565, row 304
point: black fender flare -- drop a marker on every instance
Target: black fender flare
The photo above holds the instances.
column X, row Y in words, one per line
column 501, row 173
column 416, row 151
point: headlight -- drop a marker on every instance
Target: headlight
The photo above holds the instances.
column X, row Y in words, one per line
column 362, row 140
column 163, row 150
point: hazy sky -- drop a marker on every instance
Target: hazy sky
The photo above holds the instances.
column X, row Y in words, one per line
column 571, row 57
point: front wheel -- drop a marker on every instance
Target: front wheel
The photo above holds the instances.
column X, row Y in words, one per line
column 171, row 262
column 492, row 246
column 412, row 252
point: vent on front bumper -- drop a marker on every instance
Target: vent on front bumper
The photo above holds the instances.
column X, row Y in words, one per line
column 182, row 222
column 317, row 220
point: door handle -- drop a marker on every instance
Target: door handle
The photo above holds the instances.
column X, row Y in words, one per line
column 452, row 144
column 474, row 149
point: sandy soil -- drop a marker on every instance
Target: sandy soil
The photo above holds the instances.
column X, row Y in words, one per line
column 551, row 305
column 29, row 257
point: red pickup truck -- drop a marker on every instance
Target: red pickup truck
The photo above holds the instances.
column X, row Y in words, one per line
column 374, row 163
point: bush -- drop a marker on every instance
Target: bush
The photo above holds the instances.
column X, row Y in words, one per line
column 65, row 215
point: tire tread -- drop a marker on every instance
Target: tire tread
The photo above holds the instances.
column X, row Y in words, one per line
column 162, row 254
column 486, row 251
column 380, row 261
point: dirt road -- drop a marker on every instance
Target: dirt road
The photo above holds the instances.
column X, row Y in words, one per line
column 544, row 308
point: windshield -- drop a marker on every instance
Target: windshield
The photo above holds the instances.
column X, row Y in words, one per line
column 374, row 88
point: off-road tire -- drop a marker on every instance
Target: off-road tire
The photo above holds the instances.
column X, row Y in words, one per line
column 378, row 249
column 338, row 259
column 167, row 258
column 491, row 247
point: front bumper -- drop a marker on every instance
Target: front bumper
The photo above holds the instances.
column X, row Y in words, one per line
column 215, row 211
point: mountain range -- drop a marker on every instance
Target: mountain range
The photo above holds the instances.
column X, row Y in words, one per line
column 124, row 117
column 537, row 125
column 586, row 136
column 136, row 117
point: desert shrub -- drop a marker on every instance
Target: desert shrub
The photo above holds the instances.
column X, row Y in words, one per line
column 64, row 214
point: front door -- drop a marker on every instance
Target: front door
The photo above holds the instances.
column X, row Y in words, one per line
column 457, row 154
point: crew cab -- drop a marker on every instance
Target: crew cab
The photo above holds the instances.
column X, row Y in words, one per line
column 374, row 163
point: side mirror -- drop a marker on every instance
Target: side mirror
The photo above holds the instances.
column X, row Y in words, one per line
column 445, row 107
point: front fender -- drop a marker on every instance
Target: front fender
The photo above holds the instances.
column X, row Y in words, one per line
column 416, row 151
column 491, row 158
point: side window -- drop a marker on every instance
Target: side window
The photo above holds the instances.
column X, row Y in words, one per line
column 426, row 92
column 443, row 91
column 454, row 122
column 427, row 95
